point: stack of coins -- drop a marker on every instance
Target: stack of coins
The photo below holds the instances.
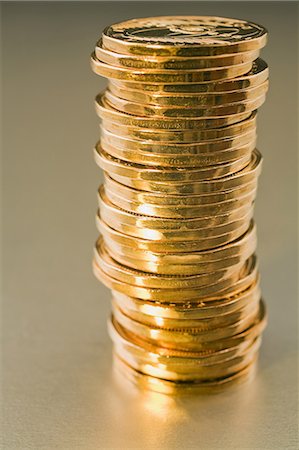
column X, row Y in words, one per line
column 178, row 240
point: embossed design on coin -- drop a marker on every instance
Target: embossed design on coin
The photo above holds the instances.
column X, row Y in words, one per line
column 185, row 30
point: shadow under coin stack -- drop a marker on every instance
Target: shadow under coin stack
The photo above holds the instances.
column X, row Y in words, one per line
column 178, row 151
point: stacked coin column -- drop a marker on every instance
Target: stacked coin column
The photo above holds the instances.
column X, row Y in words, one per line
column 178, row 240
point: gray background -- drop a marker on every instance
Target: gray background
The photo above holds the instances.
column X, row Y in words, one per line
column 58, row 389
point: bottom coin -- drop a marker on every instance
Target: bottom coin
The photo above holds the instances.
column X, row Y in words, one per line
column 173, row 387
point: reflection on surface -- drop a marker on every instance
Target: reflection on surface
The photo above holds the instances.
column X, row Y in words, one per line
column 144, row 419
column 179, row 408
column 160, row 420
column 157, row 404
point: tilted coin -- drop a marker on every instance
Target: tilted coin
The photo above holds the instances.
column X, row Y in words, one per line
column 172, row 62
column 196, row 257
column 183, row 362
column 106, row 112
column 162, row 294
column 180, row 263
column 185, row 339
column 177, row 268
column 134, row 195
column 165, row 148
column 219, row 320
column 201, row 341
column 178, row 372
column 185, row 211
column 168, row 75
column 155, row 229
column 237, row 345
column 147, row 110
column 257, row 75
column 234, row 284
column 184, row 36
column 159, row 229
column 116, row 240
column 161, row 174
column 123, row 371
column 189, row 313
column 163, row 160
column 180, row 235
column 146, row 221
column 249, row 173
column 137, row 278
column 163, row 386
column 195, row 99
column 137, row 258
column 229, row 132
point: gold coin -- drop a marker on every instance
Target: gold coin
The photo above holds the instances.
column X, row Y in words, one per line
column 229, row 286
column 177, row 268
column 147, row 110
column 179, row 263
column 116, row 240
column 168, row 75
column 183, row 339
column 137, row 278
column 194, row 99
column 145, row 221
column 237, row 345
column 143, row 197
column 188, row 313
column 229, row 134
column 163, row 386
column 183, row 324
column 175, row 206
column 169, row 371
column 223, row 287
column 219, row 320
column 182, row 366
column 145, row 173
column 120, row 252
column 197, row 340
column 258, row 74
column 186, row 211
column 120, row 221
column 182, row 149
column 124, row 246
column 172, row 160
column 229, row 182
column 173, row 62
column 184, row 36
column 106, row 112
column 121, row 245
column 189, row 363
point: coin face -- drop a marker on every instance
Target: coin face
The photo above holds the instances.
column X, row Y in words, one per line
column 193, row 30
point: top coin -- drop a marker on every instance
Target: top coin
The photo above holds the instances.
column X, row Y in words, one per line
column 184, row 36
